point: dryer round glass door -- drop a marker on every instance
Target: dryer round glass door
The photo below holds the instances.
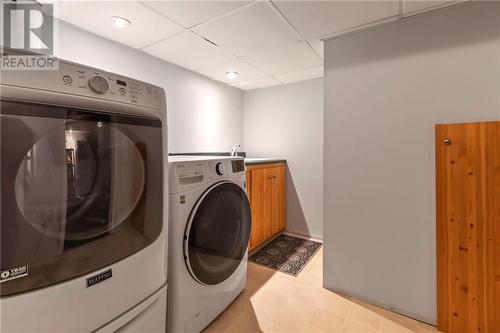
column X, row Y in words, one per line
column 217, row 233
column 81, row 190
column 103, row 168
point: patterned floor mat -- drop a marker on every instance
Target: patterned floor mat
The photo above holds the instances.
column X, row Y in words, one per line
column 286, row 254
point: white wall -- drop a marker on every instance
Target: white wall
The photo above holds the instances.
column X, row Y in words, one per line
column 385, row 89
column 287, row 122
column 203, row 115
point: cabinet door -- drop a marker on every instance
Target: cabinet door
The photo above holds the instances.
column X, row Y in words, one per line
column 266, row 190
column 257, row 184
column 275, row 196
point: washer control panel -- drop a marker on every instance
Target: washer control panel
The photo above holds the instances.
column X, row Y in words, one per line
column 238, row 165
column 219, row 168
column 226, row 168
column 187, row 172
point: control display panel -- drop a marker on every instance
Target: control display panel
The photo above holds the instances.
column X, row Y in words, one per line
column 80, row 79
column 187, row 170
column 85, row 81
column 238, row 165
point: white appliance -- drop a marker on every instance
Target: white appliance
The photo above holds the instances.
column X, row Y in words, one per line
column 83, row 223
column 210, row 222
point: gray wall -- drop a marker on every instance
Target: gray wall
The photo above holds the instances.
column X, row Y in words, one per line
column 385, row 89
column 203, row 115
column 287, row 122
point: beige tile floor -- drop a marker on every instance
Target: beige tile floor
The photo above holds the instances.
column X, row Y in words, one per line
column 277, row 302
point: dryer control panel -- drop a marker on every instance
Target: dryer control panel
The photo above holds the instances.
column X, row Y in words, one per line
column 80, row 80
column 87, row 81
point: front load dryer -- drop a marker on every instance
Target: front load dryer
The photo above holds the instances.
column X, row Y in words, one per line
column 210, row 221
column 83, row 174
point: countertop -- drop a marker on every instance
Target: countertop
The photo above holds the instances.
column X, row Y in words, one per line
column 262, row 160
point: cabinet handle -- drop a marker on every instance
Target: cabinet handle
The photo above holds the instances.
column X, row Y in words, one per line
column 271, row 177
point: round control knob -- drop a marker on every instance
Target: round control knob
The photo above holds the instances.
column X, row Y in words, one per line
column 98, row 84
column 219, row 168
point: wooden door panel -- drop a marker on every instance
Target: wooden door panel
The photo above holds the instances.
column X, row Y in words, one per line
column 279, row 199
column 276, row 199
column 258, row 188
column 282, row 198
column 272, row 178
column 270, row 194
column 468, row 214
column 266, row 190
column 493, row 222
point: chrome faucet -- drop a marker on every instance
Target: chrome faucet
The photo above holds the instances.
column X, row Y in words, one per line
column 234, row 149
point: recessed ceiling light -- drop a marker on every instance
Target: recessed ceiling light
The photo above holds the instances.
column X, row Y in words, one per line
column 231, row 75
column 120, row 22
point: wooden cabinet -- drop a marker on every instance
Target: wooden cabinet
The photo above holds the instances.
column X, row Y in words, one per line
column 266, row 190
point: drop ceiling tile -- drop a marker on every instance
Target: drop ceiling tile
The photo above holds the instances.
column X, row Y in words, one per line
column 259, row 83
column 249, row 29
column 188, row 50
column 288, row 58
column 302, row 75
column 319, row 18
column 191, row 13
column 317, row 45
column 245, row 71
column 147, row 25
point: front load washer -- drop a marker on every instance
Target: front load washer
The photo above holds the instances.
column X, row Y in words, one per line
column 83, row 174
column 209, row 223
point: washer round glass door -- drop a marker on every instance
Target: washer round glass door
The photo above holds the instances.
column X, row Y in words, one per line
column 217, row 233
